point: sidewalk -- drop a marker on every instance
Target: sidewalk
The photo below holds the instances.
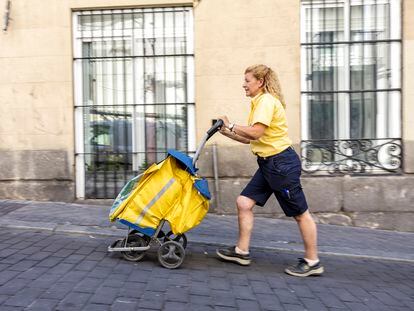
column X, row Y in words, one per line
column 271, row 234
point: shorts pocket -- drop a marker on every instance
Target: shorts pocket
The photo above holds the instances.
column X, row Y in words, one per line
column 286, row 166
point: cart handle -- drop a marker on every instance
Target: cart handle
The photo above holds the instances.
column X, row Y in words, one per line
column 215, row 128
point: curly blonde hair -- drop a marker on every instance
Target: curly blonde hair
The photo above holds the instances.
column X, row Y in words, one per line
column 271, row 82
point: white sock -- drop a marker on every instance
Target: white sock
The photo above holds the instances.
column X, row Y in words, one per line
column 241, row 252
column 311, row 263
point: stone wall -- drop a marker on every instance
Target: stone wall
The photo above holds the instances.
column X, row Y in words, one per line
column 384, row 202
column 36, row 175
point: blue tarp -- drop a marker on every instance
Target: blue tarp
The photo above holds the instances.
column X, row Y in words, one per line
column 200, row 184
column 186, row 160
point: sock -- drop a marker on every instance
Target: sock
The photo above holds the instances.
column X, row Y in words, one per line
column 311, row 263
column 239, row 251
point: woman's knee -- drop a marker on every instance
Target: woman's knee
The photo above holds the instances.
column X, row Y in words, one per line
column 244, row 204
column 303, row 217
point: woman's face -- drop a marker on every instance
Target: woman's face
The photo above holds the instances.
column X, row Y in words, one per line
column 251, row 85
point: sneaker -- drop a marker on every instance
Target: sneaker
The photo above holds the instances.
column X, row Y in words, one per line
column 303, row 269
column 229, row 254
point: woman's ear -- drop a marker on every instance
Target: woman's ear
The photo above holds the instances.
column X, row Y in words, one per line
column 261, row 82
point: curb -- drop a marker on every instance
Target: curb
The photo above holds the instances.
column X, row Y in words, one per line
column 94, row 230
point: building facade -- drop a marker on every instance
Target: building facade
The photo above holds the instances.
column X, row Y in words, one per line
column 92, row 92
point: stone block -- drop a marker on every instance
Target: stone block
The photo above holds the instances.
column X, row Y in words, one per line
column 34, row 164
column 379, row 194
column 232, row 161
column 403, row 221
column 63, row 191
column 231, row 188
column 333, row 219
column 408, row 156
column 323, row 194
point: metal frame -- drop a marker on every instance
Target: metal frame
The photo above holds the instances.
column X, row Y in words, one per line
column 127, row 44
column 385, row 131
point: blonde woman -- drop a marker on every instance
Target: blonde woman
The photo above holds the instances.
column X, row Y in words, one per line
column 278, row 173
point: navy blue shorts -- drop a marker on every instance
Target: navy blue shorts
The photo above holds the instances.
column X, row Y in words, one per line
column 278, row 174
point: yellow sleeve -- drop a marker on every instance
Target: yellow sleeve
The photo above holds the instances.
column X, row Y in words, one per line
column 263, row 113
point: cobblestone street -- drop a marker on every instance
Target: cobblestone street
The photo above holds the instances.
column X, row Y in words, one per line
column 42, row 270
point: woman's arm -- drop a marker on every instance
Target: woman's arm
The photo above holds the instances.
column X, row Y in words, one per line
column 253, row 132
column 243, row 134
column 234, row 136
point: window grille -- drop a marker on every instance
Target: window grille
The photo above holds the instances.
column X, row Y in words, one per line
column 134, row 93
column 351, row 86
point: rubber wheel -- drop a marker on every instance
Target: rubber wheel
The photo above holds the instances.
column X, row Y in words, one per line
column 134, row 240
column 180, row 238
column 171, row 254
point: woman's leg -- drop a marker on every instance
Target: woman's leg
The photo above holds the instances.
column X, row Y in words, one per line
column 245, row 214
column 308, row 231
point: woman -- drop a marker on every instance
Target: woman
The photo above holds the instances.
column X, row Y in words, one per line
column 278, row 173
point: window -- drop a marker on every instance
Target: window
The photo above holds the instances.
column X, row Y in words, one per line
column 351, row 86
column 134, row 93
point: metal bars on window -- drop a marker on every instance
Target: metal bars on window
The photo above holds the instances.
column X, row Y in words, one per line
column 134, row 93
column 351, row 85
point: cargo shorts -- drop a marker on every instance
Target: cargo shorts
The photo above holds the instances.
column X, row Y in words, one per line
column 278, row 174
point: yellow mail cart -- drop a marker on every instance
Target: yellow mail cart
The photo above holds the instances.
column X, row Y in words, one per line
column 169, row 191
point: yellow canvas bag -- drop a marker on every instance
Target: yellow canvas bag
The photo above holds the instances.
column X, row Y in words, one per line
column 165, row 191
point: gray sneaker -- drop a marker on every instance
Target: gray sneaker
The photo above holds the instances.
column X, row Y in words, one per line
column 302, row 268
column 229, row 254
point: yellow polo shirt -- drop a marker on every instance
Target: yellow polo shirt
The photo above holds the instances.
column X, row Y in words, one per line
column 268, row 110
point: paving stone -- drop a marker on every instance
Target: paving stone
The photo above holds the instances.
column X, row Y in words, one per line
column 357, row 306
column 243, row 292
column 201, row 308
column 88, row 285
column 223, row 298
column 43, row 305
column 197, row 300
column 45, row 280
column 157, row 285
column 286, row 296
column 219, row 283
column 247, row 305
column 223, row 308
column 124, row 304
column 104, row 295
column 312, row 304
column 132, row 290
column 261, row 287
column 23, row 265
column 5, row 276
column 154, row 304
column 199, row 288
column 89, row 282
column 73, row 276
column 12, row 286
column 329, row 300
column 269, row 302
column 11, row 308
column 74, row 301
column 387, row 299
column 176, row 306
column 289, row 307
column 180, row 294
column 95, row 307
column 302, row 291
column 24, row 298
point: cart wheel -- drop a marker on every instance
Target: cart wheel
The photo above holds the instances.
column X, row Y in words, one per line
column 180, row 238
column 134, row 240
column 171, row 254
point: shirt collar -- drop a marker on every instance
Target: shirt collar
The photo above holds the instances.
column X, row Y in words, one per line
column 254, row 99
